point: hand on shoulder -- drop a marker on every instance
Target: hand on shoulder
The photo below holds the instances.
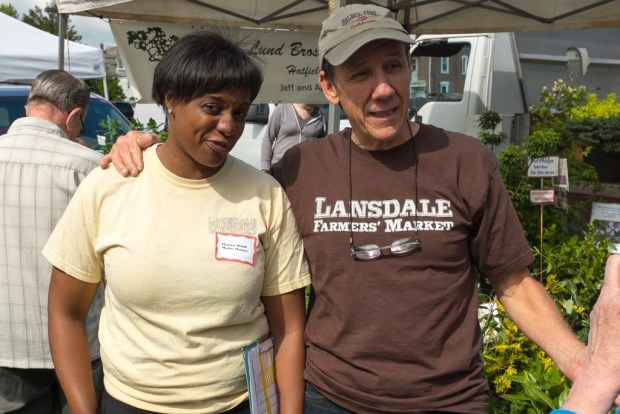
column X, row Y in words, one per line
column 126, row 153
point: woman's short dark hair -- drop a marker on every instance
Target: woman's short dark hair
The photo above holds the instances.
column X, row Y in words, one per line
column 204, row 62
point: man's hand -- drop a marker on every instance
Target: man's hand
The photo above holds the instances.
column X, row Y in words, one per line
column 604, row 337
column 605, row 317
column 126, row 153
column 598, row 383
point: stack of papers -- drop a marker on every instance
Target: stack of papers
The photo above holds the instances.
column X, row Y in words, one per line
column 261, row 377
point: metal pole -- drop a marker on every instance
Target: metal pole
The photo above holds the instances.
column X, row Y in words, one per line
column 62, row 32
column 333, row 115
column 105, row 74
column 542, row 231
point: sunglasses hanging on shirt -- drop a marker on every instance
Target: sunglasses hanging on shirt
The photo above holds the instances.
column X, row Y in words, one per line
column 400, row 247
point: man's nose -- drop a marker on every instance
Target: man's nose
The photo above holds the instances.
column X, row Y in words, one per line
column 383, row 87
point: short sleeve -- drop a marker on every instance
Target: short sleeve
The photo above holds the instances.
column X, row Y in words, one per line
column 286, row 268
column 498, row 243
column 71, row 247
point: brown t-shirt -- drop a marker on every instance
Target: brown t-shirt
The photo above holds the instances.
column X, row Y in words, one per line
column 400, row 334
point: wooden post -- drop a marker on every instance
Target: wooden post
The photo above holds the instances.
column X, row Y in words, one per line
column 542, row 206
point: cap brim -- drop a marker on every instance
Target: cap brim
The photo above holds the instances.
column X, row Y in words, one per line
column 346, row 49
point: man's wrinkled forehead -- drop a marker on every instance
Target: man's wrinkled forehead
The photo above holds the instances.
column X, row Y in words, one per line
column 377, row 48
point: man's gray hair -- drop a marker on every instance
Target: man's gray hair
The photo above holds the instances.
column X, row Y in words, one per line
column 61, row 89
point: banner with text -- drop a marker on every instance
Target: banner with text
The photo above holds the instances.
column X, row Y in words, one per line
column 289, row 59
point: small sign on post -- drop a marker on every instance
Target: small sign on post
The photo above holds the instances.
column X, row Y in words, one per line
column 542, row 196
column 544, row 167
column 548, row 167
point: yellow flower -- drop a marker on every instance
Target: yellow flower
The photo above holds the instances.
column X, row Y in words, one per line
column 511, row 370
column 502, row 384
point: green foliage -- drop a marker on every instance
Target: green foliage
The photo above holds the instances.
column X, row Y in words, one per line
column 543, row 142
column 597, row 123
column 9, row 10
column 513, row 164
column 488, row 122
column 557, row 104
column 112, row 127
column 549, row 137
column 151, row 126
column 594, row 108
column 603, row 133
column 115, row 92
column 544, row 388
column 574, row 274
column 48, row 22
column 522, row 378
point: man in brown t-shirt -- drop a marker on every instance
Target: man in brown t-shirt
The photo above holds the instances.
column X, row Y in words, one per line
column 394, row 329
column 397, row 219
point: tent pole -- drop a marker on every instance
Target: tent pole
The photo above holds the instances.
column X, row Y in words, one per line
column 105, row 76
column 333, row 115
column 62, row 31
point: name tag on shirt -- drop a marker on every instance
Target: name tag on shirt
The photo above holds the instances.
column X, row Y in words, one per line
column 235, row 248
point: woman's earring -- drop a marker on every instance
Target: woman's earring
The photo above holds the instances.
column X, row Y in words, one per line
column 169, row 110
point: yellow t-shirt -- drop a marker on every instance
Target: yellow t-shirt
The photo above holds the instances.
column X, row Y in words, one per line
column 185, row 263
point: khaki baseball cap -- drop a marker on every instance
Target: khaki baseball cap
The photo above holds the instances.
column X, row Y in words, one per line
column 351, row 27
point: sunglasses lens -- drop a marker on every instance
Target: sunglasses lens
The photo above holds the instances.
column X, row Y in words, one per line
column 404, row 246
column 367, row 252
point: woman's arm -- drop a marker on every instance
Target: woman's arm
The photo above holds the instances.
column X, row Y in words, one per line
column 286, row 316
column 68, row 304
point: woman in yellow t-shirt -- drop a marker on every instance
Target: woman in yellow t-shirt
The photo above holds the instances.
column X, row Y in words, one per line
column 199, row 254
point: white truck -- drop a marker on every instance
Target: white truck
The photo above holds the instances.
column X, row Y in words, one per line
column 456, row 78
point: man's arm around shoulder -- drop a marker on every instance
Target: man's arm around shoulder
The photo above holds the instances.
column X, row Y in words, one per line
column 126, row 153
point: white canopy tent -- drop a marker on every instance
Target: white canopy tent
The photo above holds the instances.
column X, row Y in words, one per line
column 419, row 16
column 26, row 51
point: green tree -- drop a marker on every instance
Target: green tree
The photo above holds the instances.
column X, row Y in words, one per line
column 115, row 92
column 48, row 22
column 8, row 9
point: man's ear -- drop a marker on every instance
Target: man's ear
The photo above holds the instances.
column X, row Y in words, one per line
column 329, row 89
column 73, row 124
